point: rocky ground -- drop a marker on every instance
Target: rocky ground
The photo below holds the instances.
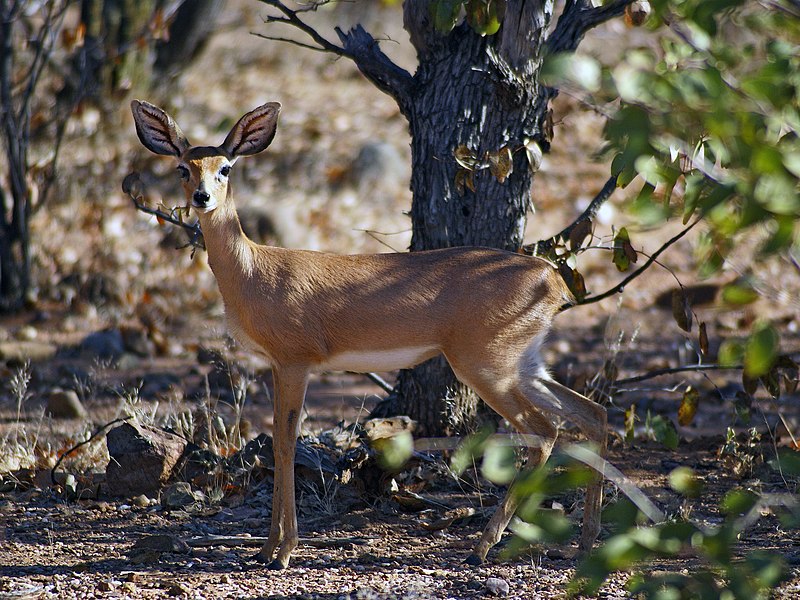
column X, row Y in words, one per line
column 123, row 324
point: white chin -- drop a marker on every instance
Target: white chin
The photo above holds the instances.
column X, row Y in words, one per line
column 205, row 207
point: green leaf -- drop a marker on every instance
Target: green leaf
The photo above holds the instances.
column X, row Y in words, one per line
column 768, row 568
column 739, row 293
column 630, row 423
column 499, row 462
column 761, row 351
column 688, row 407
column 684, row 481
column 624, row 254
column 731, row 353
column 568, row 67
column 738, row 502
column 445, row 14
column 472, row 447
column 664, row 431
column 485, row 16
column 394, row 452
column 787, row 462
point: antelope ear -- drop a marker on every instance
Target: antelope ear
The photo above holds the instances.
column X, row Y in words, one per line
column 157, row 131
column 254, row 131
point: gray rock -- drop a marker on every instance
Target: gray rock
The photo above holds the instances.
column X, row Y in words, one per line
column 20, row 351
column 162, row 543
column 142, row 459
column 106, row 344
column 497, row 587
column 180, row 495
column 65, row 404
column 379, row 164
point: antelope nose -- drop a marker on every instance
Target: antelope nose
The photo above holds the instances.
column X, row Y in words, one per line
column 201, row 197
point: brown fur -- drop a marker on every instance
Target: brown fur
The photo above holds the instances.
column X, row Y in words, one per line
column 486, row 310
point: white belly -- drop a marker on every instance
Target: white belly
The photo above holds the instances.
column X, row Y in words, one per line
column 377, row 360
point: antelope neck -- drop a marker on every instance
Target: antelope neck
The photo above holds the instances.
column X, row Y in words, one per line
column 230, row 252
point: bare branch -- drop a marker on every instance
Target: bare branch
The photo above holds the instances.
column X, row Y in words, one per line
column 292, row 19
column 578, row 17
column 388, row 77
column 357, row 45
column 676, row 370
column 620, row 287
column 132, row 185
column 543, row 247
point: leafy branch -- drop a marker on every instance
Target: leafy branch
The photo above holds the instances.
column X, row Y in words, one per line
column 133, row 186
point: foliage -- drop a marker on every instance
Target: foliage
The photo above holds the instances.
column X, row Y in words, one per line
column 633, row 543
column 706, row 125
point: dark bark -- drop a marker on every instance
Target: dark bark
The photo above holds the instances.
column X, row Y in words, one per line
column 188, row 34
column 482, row 93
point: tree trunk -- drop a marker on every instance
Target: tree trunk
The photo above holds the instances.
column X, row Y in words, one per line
column 482, row 93
column 126, row 42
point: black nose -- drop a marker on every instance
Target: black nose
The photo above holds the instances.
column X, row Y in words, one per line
column 201, row 197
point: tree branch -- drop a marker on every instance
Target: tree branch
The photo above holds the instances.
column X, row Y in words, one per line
column 290, row 18
column 357, row 45
column 388, row 77
column 132, row 185
column 543, row 247
column 675, row 370
column 579, row 17
column 620, row 287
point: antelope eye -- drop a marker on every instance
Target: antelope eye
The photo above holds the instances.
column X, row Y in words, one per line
column 183, row 172
column 225, row 171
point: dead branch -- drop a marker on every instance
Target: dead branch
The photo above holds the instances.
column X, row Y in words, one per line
column 620, row 287
column 577, row 18
column 357, row 45
column 674, row 370
column 97, row 432
column 543, row 247
column 132, row 186
column 236, row 540
column 290, row 17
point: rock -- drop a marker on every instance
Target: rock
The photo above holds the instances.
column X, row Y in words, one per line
column 27, row 333
column 180, row 495
column 65, row 404
column 23, row 351
column 381, row 428
column 379, row 164
column 258, row 225
column 106, row 344
column 497, row 587
column 162, row 543
column 142, row 459
column 135, row 340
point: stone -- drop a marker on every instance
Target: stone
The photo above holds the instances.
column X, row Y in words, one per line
column 142, row 459
column 65, row 404
column 497, row 587
column 21, row 351
column 180, row 495
column 106, row 344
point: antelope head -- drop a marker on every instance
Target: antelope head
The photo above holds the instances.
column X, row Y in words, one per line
column 204, row 170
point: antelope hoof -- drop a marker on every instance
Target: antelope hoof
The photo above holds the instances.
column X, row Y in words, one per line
column 474, row 560
column 278, row 565
column 262, row 556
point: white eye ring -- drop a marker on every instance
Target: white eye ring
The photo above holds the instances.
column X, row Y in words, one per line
column 225, row 170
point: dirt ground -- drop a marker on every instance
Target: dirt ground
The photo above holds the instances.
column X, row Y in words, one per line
column 126, row 321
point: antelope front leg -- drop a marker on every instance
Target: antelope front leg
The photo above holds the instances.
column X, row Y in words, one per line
column 290, row 389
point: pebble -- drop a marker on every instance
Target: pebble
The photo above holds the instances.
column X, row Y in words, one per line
column 65, row 404
column 497, row 587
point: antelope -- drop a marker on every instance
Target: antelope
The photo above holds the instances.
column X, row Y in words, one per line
column 487, row 311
